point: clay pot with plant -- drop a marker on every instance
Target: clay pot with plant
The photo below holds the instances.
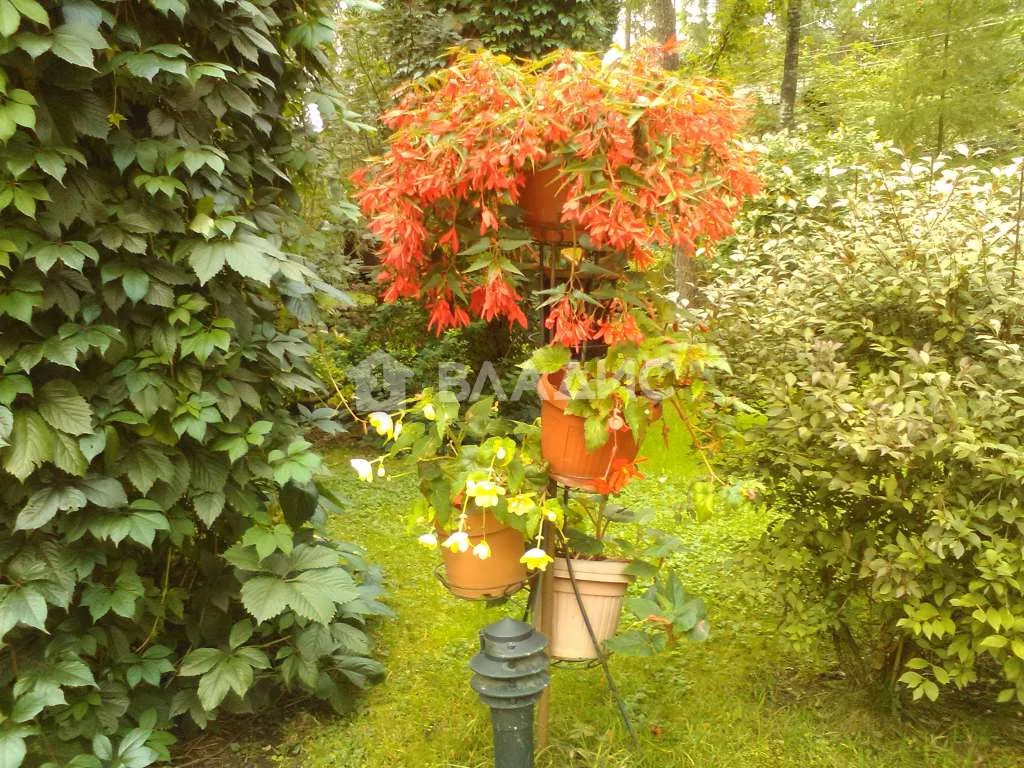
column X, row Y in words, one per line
column 474, row 468
column 604, row 548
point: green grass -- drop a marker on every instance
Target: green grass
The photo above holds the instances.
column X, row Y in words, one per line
column 737, row 700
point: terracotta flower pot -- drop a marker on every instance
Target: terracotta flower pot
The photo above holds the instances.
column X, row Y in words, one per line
column 541, row 201
column 602, row 585
column 564, row 447
column 501, row 574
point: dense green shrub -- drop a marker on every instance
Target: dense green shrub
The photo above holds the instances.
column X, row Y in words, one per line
column 879, row 338
column 155, row 552
column 421, row 32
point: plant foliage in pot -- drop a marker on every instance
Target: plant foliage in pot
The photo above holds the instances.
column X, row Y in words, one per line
column 475, row 471
column 603, row 564
column 596, row 412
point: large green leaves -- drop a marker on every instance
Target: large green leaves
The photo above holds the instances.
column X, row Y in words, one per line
column 63, row 408
column 75, row 43
column 248, row 256
column 311, row 594
column 145, row 201
column 21, row 605
column 44, row 505
column 12, row 745
column 222, row 672
column 31, row 444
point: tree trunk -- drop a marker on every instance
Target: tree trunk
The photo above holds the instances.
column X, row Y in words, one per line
column 791, row 64
column 665, row 28
column 941, row 137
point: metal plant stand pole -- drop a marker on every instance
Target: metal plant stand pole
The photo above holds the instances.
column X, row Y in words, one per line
column 602, row 657
column 511, row 671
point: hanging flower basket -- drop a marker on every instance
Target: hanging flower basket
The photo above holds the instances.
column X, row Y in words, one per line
column 474, row 578
column 622, row 157
column 602, row 585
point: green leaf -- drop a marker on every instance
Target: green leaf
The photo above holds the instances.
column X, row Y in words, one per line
column 550, row 359
column 206, row 260
column 21, row 605
column 34, row 45
column 145, row 464
column 6, row 425
column 243, row 256
column 633, row 643
column 63, row 408
column 73, row 254
column 43, row 506
column 31, row 444
column 595, row 432
column 12, row 385
column 33, row 11
column 122, row 599
column 200, row 661
column 208, row 506
column 231, row 674
column 74, row 43
column 178, row 7
column 12, row 746
column 10, row 19
column 994, row 642
column 240, row 633
column 265, row 597
column 104, row 492
column 136, row 284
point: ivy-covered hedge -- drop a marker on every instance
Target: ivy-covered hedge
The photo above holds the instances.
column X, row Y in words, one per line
column 156, row 551
column 420, row 32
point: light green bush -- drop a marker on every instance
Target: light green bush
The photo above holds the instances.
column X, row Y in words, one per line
column 878, row 335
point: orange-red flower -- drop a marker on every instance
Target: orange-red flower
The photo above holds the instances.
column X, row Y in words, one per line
column 570, row 325
column 621, row 473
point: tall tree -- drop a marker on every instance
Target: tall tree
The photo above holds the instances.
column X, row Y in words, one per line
column 791, row 63
column 664, row 12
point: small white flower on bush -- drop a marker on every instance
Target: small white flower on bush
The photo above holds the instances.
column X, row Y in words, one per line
column 536, row 559
column 382, row 423
column 428, row 540
column 482, row 550
column 363, row 468
column 457, row 542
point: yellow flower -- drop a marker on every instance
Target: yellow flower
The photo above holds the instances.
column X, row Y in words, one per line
column 428, row 540
column 482, row 550
column 381, row 422
column 457, row 542
column 536, row 559
column 429, row 413
column 363, row 468
column 484, row 492
column 521, row 504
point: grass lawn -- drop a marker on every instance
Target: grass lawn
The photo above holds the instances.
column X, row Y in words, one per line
column 737, row 700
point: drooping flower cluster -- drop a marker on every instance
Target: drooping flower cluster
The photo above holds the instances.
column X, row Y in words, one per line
column 649, row 160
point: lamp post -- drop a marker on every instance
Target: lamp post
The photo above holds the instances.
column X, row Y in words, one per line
column 510, row 673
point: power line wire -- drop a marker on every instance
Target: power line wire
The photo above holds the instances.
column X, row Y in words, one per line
column 888, row 42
